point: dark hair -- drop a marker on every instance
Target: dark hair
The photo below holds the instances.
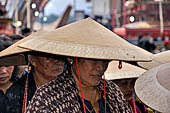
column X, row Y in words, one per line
column 25, row 31
column 14, row 76
column 4, row 37
column 5, row 42
column 16, row 37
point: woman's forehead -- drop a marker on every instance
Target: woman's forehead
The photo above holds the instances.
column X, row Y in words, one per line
column 7, row 67
column 47, row 55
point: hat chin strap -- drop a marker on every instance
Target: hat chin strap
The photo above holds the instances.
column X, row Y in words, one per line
column 82, row 90
column 105, row 94
column 134, row 105
column 80, row 86
column 25, row 95
column 120, row 65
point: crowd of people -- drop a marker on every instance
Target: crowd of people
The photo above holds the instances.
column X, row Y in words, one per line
column 148, row 43
column 64, row 72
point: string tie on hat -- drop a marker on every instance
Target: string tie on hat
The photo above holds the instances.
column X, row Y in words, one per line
column 120, row 65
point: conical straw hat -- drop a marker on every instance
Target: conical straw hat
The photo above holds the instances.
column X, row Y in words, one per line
column 88, row 39
column 12, row 55
column 127, row 71
column 157, row 59
column 153, row 88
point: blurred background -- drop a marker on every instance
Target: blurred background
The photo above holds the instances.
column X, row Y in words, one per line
column 145, row 23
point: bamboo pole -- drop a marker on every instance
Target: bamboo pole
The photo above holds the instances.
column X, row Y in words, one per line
column 16, row 16
column 161, row 17
column 28, row 14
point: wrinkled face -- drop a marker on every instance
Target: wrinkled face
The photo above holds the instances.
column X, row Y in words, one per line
column 5, row 74
column 91, row 70
column 126, row 86
column 49, row 66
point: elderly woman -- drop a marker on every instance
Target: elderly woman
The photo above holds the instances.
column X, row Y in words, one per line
column 43, row 67
column 81, row 88
column 125, row 78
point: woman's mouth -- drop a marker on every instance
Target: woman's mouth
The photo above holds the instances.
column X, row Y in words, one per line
column 3, row 78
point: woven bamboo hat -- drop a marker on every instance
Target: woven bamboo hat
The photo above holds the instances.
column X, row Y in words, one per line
column 15, row 55
column 157, row 59
column 153, row 88
column 127, row 71
column 88, row 39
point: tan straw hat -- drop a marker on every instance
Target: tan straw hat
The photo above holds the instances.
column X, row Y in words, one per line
column 88, row 39
column 157, row 59
column 14, row 55
column 127, row 71
column 153, row 88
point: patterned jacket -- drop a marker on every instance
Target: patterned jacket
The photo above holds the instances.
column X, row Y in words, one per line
column 61, row 96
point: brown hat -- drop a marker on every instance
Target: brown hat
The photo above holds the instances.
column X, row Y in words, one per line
column 88, row 39
column 157, row 59
column 127, row 71
column 14, row 55
column 153, row 88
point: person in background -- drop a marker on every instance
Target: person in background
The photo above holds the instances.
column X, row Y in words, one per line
column 166, row 45
column 125, row 78
column 8, row 77
column 25, row 32
column 16, row 37
column 45, row 67
column 146, row 42
column 5, row 41
column 127, row 87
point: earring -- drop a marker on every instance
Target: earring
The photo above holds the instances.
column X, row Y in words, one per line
column 70, row 60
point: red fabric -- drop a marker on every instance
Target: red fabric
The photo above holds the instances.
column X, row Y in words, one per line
column 134, row 105
column 166, row 42
column 25, row 96
column 105, row 95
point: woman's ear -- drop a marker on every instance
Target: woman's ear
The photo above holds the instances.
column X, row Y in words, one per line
column 32, row 60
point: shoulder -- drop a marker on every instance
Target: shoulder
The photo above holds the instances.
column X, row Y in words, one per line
column 44, row 98
column 116, row 98
column 113, row 88
column 59, row 87
column 20, row 82
column 59, row 95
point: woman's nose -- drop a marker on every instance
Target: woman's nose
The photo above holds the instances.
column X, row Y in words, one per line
column 3, row 70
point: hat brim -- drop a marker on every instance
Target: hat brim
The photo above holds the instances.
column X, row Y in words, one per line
column 12, row 60
column 151, row 92
column 127, row 71
column 14, row 55
column 157, row 59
